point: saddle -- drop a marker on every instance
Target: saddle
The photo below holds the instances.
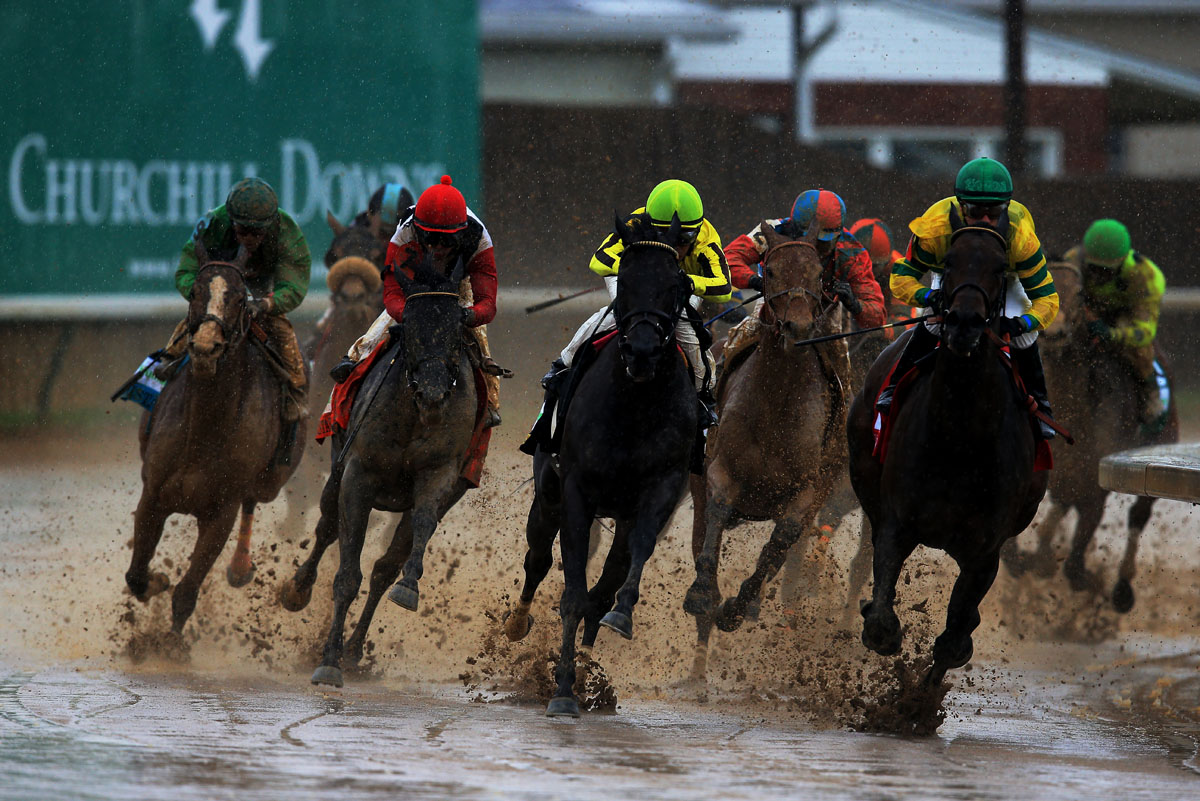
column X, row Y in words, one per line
column 546, row 432
column 882, row 426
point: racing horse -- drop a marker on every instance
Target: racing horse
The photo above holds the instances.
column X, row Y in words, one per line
column 627, row 442
column 778, row 451
column 211, row 444
column 410, row 427
column 958, row 470
column 1096, row 394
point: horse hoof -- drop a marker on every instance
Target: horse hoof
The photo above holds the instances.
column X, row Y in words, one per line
column 698, row 601
column 403, row 596
column 729, row 618
column 948, row 654
column 753, row 610
column 1122, row 596
column 562, row 708
column 293, row 599
column 881, row 637
column 618, row 622
column 236, row 579
column 327, row 674
column 156, row 583
column 513, row 628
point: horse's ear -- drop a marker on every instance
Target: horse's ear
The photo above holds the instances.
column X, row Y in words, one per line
column 243, row 256
column 813, row 231
column 459, row 271
column 769, row 234
column 335, row 225
column 956, row 221
column 621, row 228
column 676, row 227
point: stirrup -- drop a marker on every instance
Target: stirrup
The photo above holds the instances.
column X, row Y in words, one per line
column 883, row 403
column 556, row 367
column 342, row 370
column 491, row 418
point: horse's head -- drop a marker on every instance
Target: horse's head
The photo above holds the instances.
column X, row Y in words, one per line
column 1071, row 321
column 973, row 283
column 353, row 240
column 432, row 336
column 651, row 294
column 792, row 301
column 354, row 291
column 217, row 313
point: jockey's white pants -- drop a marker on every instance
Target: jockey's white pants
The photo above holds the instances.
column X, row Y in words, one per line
column 1016, row 303
column 602, row 321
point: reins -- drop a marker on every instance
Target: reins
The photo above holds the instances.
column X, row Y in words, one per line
column 822, row 308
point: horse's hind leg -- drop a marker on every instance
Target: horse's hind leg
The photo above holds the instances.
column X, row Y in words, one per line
column 296, row 592
column 1139, row 513
column 541, row 528
column 860, row 570
column 425, row 517
column 881, row 628
column 601, row 596
column 214, row 533
column 148, row 523
column 573, row 544
column 1040, row 562
column 704, row 594
column 953, row 647
column 386, row 568
column 241, row 569
column 735, row 610
column 1080, row 578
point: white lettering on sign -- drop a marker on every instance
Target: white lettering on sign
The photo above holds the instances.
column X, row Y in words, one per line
column 151, row 268
column 45, row 190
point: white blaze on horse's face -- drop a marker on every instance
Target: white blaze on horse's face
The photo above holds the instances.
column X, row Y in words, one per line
column 209, row 340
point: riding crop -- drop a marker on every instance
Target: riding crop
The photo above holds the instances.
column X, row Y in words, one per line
column 901, row 323
column 548, row 303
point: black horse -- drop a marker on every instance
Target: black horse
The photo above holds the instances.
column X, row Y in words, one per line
column 627, row 442
column 409, row 430
column 959, row 469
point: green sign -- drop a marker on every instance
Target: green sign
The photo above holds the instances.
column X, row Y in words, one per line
column 123, row 123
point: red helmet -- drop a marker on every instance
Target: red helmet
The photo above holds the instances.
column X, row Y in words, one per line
column 441, row 208
column 875, row 236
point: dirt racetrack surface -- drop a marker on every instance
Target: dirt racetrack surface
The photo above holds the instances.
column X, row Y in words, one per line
column 1061, row 686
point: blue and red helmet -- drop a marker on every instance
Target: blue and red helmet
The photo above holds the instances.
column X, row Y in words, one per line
column 828, row 209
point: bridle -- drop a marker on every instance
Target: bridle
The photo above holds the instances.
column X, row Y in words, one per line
column 818, row 304
column 662, row 322
column 993, row 305
column 447, row 362
column 243, row 321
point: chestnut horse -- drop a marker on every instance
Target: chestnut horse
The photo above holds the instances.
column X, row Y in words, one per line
column 778, row 451
column 210, row 446
column 1096, row 395
column 959, row 468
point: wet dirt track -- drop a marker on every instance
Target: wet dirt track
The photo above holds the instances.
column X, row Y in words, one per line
column 444, row 713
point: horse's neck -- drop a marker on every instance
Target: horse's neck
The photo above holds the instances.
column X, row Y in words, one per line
column 215, row 403
column 785, row 368
column 965, row 391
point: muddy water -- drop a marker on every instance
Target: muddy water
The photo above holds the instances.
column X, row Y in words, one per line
column 1064, row 698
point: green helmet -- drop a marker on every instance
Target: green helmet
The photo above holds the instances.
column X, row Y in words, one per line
column 1106, row 242
column 673, row 197
column 983, row 180
column 252, row 203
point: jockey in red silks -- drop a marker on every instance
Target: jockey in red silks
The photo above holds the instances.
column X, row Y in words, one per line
column 847, row 275
column 442, row 227
column 876, row 237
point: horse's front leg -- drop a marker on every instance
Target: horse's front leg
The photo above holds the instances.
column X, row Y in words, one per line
column 953, row 647
column 241, row 568
column 1074, row 568
column 148, row 521
column 881, row 628
column 296, row 592
column 712, row 516
column 1139, row 513
column 354, row 510
column 433, row 496
column 601, row 596
column 578, row 514
column 214, row 533
column 386, row 568
column 654, row 510
column 541, row 529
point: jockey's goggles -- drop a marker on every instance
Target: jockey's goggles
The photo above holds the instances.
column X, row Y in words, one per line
column 437, row 239
column 979, row 211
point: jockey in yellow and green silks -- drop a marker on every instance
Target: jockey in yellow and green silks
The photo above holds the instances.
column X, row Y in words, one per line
column 700, row 256
column 1122, row 293
column 982, row 194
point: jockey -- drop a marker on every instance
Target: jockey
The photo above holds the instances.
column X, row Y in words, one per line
column 700, row 256
column 982, row 194
column 1123, row 290
column 442, row 226
column 876, row 237
column 276, row 274
column 847, row 267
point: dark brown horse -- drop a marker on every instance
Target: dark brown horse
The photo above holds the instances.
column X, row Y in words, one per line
column 959, row 468
column 1096, row 396
column 777, row 451
column 210, row 446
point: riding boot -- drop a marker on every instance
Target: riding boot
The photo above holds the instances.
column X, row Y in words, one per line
column 1029, row 362
column 341, row 371
column 708, row 407
column 556, row 367
column 554, row 382
column 294, row 403
column 921, row 343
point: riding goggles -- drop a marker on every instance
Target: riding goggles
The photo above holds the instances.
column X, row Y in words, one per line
column 979, row 211
column 437, row 239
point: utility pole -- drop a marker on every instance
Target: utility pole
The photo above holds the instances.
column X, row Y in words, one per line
column 1015, row 90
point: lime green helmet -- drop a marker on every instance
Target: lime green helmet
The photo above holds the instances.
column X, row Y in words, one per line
column 673, row 197
column 983, row 180
column 252, row 203
column 1106, row 243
